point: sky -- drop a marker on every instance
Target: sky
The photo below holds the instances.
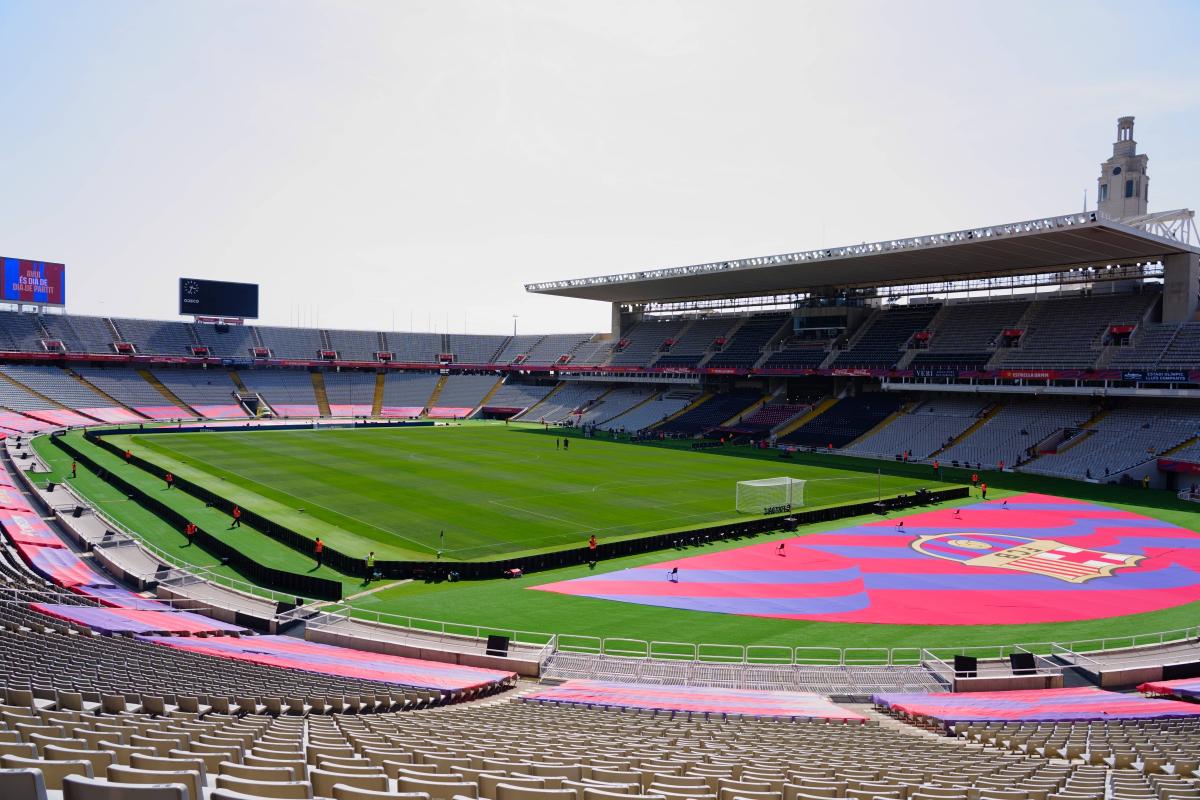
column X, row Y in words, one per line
column 408, row 165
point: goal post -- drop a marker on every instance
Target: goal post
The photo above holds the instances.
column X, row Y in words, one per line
column 770, row 495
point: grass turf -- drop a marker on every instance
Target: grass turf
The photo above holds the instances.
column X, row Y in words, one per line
column 507, row 605
column 493, row 490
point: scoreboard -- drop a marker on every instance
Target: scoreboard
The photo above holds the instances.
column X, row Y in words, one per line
column 199, row 297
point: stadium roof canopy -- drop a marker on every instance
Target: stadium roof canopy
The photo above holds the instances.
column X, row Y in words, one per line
column 1050, row 244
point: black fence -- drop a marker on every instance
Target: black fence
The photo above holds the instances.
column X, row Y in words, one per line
column 484, row 570
column 280, row 580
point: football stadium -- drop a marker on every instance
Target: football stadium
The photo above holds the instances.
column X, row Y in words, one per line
column 911, row 519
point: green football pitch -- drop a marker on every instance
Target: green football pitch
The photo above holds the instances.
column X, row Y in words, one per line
column 375, row 475
column 478, row 491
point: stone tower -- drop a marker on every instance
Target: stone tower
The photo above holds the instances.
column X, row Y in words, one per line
column 1123, row 186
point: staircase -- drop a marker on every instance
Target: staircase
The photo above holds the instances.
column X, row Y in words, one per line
column 318, row 384
column 499, row 350
column 195, row 337
column 383, row 345
column 816, row 411
column 888, row 420
column 495, row 388
column 750, row 409
column 704, row 398
column 529, row 411
column 326, row 343
column 165, row 392
column 237, row 381
column 1021, row 324
column 976, row 425
column 116, row 403
column 49, row 403
column 651, row 396
column 437, row 392
column 377, row 398
column 116, row 333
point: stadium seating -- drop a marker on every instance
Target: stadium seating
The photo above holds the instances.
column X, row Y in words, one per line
column 64, row 389
column 517, row 396
column 966, row 335
column 79, row 334
column 290, row 342
column 474, row 348
column 210, row 392
column 155, row 337
column 798, row 353
column 405, row 394
column 696, row 341
column 1120, row 439
column 356, row 345
column 1018, row 426
column 228, row 341
column 845, row 421
column 462, row 394
column 767, row 418
column 745, row 348
column 351, row 393
column 614, row 404
column 415, row 348
column 710, row 414
column 22, row 332
column 654, row 410
column 289, row 392
column 922, row 430
column 1068, row 332
column 594, row 351
column 644, row 340
column 884, row 334
column 565, row 404
column 515, row 346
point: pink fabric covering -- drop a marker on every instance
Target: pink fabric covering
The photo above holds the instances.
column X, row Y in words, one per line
column 449, row 412
column 325, row 659
column 401, row 411
column 1029, row 558
column 1038, row 705
column 60, row 416
column 135, row 620
column 349, row 410
column 296, row 410
column 228, row 411
column 696, row 699
column 21, row 423
column 24, row 526
column 162, row 412
column 111, row 414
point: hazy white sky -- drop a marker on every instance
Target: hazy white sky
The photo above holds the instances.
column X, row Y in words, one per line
column 415, row 163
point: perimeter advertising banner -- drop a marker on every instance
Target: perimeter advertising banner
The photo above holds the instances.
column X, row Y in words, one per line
column 27, row 281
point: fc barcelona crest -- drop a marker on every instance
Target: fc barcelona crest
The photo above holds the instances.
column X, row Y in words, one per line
column 1039, row 556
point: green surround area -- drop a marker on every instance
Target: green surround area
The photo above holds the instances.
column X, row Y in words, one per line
column 479, row 492
column 508, row 605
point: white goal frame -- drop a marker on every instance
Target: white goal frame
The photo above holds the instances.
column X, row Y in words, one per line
column 769, row 495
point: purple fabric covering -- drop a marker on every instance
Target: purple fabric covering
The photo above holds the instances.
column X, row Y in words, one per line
column 131, row 620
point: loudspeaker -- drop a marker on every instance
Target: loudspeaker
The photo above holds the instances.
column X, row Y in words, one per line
column 1022, row 663
column 966, row 667
column 497, row 646
column 78, row 512
column 50, row 486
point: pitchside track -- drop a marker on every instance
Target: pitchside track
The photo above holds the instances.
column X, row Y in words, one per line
column 479, row 491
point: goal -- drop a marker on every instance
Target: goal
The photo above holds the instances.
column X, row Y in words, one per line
column 769, row 495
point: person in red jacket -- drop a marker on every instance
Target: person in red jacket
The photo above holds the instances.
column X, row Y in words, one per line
column 237, row 518
column 983, row 490
column 189, row 531
column 170, row 479
column 319, row 550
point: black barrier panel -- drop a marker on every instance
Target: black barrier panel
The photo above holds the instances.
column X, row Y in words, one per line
column 1177, row 672
column 540, row 562
column 290, row 582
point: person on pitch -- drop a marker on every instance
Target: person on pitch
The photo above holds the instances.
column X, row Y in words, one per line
column 237, row 518
column 319, row 551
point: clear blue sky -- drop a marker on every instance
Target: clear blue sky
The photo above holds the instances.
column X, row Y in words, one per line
column 421, row 161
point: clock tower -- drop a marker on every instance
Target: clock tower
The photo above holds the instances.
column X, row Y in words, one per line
column 1123, row 186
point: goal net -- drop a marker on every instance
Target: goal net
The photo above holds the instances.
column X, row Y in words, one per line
column 769, row 495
